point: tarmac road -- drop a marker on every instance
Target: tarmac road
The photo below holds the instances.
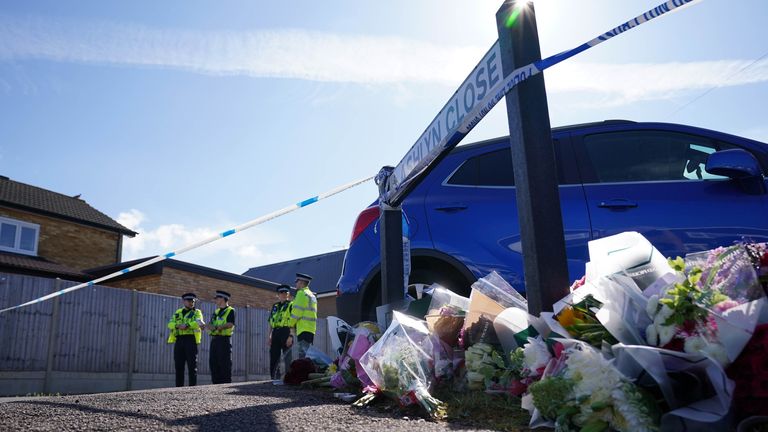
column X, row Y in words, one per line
column 250, row 406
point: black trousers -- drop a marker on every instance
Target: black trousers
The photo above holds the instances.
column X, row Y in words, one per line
column 185, row 353
column 277, row 349
column 221, row 359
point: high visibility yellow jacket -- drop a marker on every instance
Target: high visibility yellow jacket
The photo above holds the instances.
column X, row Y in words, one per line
column 304, row 312
column 219, row 319
column 193, row 318
column 280, row 315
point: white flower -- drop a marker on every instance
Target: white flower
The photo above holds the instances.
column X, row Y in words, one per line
column 653, row 305
column 700, row 345
column 630, row 412
column 664, row 313
column 594, row 376
column 536, row 355
column 694, row 344
column 666, row 333
column 651, row 335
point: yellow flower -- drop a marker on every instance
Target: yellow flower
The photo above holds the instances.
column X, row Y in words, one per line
column 568, row 317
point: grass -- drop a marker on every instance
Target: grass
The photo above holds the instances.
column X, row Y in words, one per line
column 500, row 412
column 476, row 410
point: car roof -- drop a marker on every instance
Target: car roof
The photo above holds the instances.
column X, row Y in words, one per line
column 599, row 124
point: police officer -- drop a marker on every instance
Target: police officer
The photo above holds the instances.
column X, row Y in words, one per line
column 220, row 328
column 186, row 333
column 304, row 314
column 280, row 338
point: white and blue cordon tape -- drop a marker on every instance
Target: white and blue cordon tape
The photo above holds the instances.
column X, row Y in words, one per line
column 187, row 248
column 397, row 181
column 428, row 150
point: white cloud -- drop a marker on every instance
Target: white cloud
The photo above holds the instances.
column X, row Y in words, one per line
column 296, row 54
column 621, row 84
column 235, row 253
column 359, row 59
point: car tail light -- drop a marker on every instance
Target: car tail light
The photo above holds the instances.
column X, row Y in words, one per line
column 365, row 218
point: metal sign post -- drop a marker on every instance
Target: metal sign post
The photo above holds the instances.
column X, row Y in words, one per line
column 391, row 248
column 392, row 268
column 533, row 159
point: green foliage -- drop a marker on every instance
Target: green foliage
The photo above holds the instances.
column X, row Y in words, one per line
column 483, row 411
column 687, row 297
column 549, row 394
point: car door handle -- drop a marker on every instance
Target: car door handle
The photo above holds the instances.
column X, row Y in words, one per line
column 453, row 207
column 617, row 204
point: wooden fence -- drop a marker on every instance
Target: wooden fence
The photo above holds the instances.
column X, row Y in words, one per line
column 113, row 331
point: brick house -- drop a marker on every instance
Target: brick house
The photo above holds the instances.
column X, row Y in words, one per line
column 325, row 270
column 45, row 233
column 48, row 234
column 173, row 277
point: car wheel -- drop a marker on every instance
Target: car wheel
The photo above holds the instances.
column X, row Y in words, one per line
column 424, row 278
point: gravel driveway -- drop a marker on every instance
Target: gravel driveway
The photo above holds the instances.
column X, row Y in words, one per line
column 217, row 408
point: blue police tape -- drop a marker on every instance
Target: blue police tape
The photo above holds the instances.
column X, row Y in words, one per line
column 187, row 248
column 427, row 148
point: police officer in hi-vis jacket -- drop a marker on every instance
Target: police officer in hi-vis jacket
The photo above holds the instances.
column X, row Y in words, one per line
column 186, row 332
column 280, row 339
column 220, row 328
column 304, row 313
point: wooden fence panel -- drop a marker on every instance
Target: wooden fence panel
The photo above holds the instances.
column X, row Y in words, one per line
column 24, row 332
column 94, row 331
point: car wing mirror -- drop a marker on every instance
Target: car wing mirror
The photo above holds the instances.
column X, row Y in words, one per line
column 739, row 165
column 733, row 163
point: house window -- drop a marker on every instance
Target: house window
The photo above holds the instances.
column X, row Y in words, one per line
column 17, row 236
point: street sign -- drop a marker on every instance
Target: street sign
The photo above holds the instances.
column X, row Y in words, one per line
column 441, row 133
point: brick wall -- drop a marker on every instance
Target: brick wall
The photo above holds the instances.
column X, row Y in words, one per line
column 177, row 282
column 326, row 306
column 150, row 284
column 69, row 243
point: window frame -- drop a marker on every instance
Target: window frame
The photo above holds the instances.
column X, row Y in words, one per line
column 589, row 172
column 567, row 174
column 446, row 181
column 17, row 241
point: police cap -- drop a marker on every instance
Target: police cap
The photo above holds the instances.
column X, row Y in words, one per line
column 303, row 277
column 223, row 294
column 283, row 288
column 189, row 296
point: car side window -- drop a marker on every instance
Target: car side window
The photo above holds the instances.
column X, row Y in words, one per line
column 488, row 169
column 495, row 169
column 638, row 156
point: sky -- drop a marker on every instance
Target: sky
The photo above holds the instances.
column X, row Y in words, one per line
column 184, row 118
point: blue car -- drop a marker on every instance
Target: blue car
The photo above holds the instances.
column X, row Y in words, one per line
column 684, row 188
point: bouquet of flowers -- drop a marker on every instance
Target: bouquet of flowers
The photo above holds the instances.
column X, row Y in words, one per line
column 584, row 391
column 681, row 320
column 401, row 364
column 581, row 322
column 712, row 309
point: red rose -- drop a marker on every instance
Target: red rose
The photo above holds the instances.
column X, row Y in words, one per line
column 676, row 344
column 750, row 373
column 517, row 388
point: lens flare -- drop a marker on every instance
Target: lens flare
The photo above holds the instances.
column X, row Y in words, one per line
column 516, row 11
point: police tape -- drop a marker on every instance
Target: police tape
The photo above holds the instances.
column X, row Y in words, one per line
column 189, row 247
column 523, row 73
column 403, row 175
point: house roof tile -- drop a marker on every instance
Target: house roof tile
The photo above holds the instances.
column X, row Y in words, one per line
column 42, row 201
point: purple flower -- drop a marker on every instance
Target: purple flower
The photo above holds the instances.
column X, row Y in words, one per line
column 725, row 305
